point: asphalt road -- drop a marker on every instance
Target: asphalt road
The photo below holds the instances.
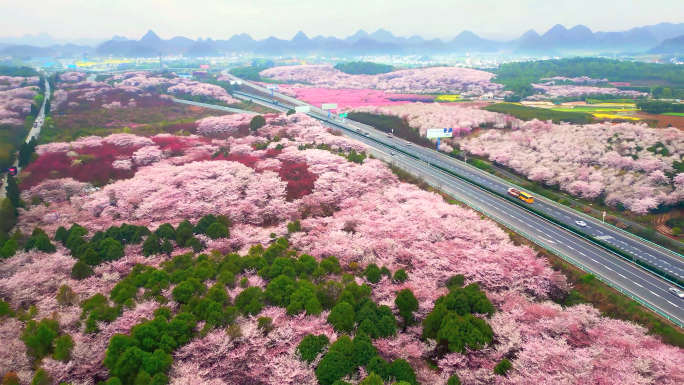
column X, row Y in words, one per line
column 623, row 275
column 35, row 131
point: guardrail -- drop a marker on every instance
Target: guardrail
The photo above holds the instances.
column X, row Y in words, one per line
column 547, row 247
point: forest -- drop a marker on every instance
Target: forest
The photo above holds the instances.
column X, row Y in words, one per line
column 520, row 75
column 363, row 68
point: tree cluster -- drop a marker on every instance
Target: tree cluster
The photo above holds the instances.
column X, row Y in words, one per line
column 452, row 324
column 346, row 355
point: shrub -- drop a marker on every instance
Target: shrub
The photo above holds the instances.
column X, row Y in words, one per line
column 265, row 324
column 11, row 378
column 400, row 275
column 379, row 366
column 368, row 327
column 294, row 227
column 676, row 231
column 373, row 273
column 217, row 230
column 39, row 337
column 456, row 281
column 5, row 309
column 454, row 380
column 407, row 304
column 401, row 370
column 290, row 112
column 342, row 317
column 372, row 379
column 331, row 265
column 311, row 346
column 63, row 347
column 40, row 242
column 503, row 367
column 195, row 244
column 9, row 249
column 81, row 271
column 66, row 296
column 41, row 378
column 183, row 234
column 313, row 307
column 111, row 250
column 363, row 349
column 257, row 122
column 166, row 231
column 249, row 301
column 151, row 245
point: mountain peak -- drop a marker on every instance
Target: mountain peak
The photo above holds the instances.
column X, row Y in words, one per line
column 200, row 40
column 150, row 38
column 300, row 36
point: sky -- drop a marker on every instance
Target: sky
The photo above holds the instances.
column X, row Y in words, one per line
column 220, row 19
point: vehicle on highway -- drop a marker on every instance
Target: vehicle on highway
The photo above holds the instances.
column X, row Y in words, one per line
column 12, row 170
column 408, row 143
column 525, row 197
column 677, row 292
column 367, row 134
column 358, row 130
column 581, row 223
column 392, row 153
column 389, row 135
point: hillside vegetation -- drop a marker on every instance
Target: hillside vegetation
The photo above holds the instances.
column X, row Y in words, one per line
column 363, row 68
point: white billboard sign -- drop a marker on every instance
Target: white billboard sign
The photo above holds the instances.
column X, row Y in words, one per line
column 302, row 109
column 329, row 106
column 272, row 87
column 440, row 133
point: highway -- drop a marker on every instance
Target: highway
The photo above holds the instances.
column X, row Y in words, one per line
column 622, row 274
column 35, row 131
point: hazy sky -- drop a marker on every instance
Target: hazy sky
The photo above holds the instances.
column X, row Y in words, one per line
column 220, row 19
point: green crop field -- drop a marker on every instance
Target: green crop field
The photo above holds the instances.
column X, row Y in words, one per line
column 674, row 113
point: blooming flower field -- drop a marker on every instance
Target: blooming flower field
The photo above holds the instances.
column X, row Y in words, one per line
column 553, row 91
column 15, row 100
column 444, row 80
column 356, row 211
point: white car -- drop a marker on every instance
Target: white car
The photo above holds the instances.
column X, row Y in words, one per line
column 581, row 223
column 677, row 292
column 408, row 143
column 392, row 153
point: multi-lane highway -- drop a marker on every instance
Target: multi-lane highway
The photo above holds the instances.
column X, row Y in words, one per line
column 35, row 131
column 624, row 275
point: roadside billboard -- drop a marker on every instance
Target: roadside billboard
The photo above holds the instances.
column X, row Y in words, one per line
column 302, row 109
column 204, row 66
column 71, row 65
column 329, row 106
column 440, row 133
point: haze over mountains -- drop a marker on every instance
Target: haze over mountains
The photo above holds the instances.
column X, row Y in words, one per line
column 558, row 40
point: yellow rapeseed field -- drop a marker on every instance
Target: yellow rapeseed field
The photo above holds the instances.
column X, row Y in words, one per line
column 448, row 98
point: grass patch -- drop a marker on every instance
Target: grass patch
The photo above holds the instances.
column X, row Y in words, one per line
column 674, row 113
column 529, row 113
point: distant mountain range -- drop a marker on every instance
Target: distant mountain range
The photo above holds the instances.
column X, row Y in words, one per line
column 663, row 38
